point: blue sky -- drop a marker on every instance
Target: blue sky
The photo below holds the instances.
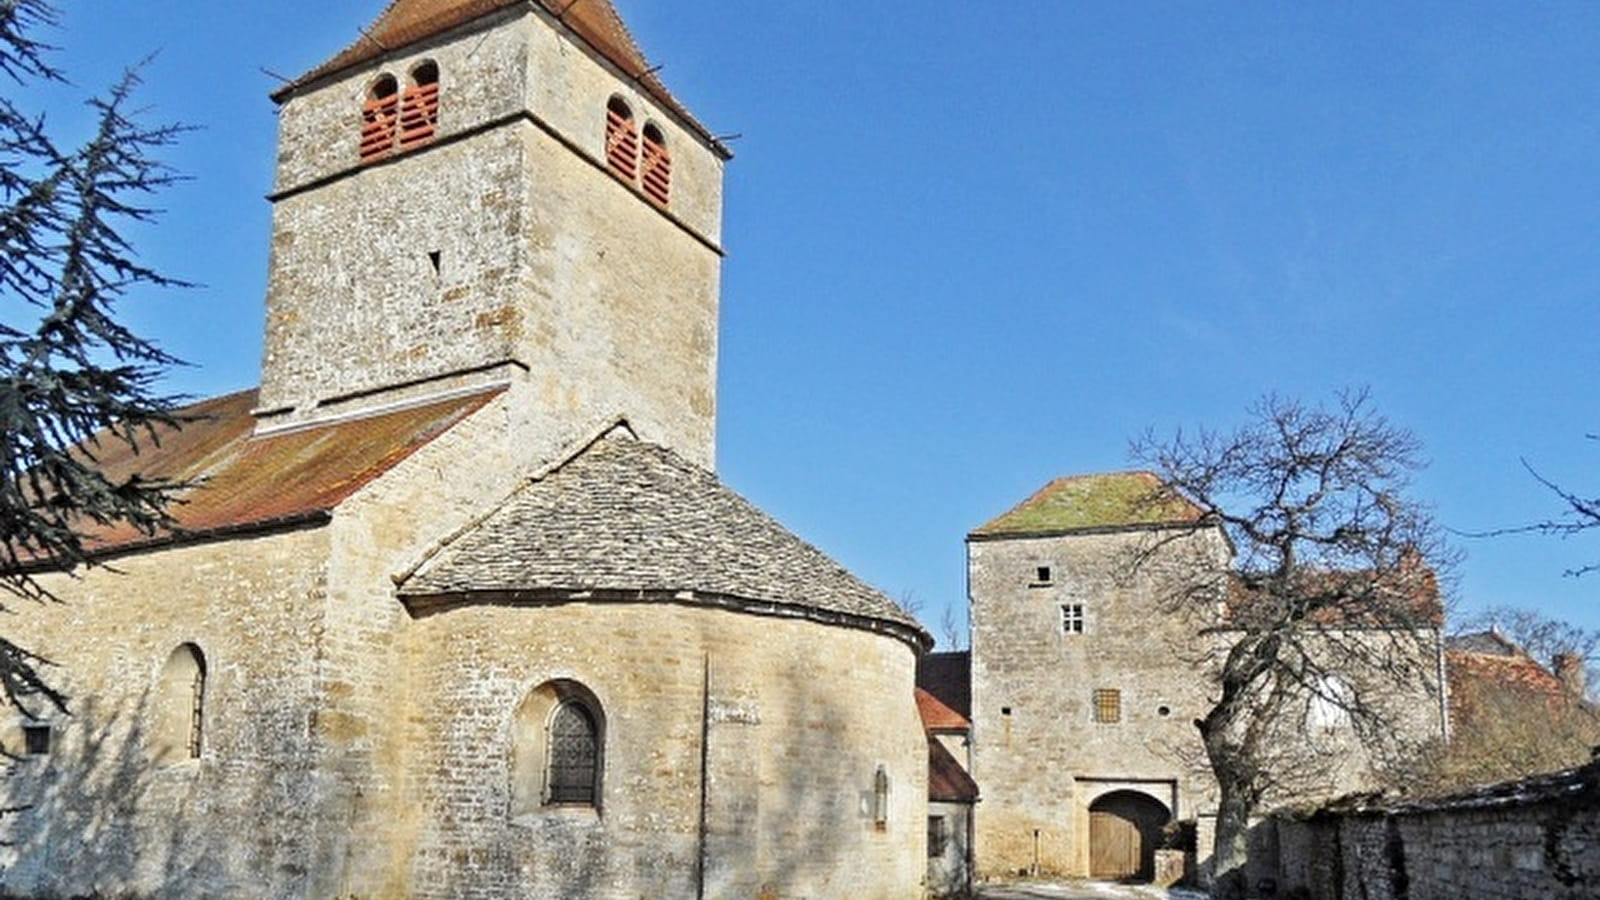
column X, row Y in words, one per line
column 974, row 246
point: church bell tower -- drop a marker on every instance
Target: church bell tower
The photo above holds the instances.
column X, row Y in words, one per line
column 495, row 192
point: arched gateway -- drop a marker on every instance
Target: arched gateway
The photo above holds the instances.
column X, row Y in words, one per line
column 1124, row 832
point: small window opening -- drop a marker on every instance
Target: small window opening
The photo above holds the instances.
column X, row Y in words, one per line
column 656, row 178
column 380, row 118
column 1041, row 575
column 880, row 799
column 1107, row 705
column 1163, row 711
column 622, row 139
column 419, row 110
column 1072, row 618
column 36, row 740
column 1005, row 710
column 938, row 836
column 436, row 259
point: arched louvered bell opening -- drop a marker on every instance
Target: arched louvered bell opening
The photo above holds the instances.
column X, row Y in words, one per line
column 622, row 139
column 380, row 119
column 419, row 110
column 657, row 165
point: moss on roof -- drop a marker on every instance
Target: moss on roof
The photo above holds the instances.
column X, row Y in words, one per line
column 1105, row 500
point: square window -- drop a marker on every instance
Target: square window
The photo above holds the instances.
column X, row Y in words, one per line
column 36, row 740
column 1072, row 618
column 938, row 836
column 1041, row 576
column 1107, row 705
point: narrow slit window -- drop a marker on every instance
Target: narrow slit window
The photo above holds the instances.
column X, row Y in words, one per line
column 419, row 110
column 380, row 118
column 657, row 165
column 622, row 139
column 1107, row 705
column 1072, row 618
column 938, row 836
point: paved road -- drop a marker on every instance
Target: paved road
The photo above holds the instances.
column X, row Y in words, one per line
column 1083, row 890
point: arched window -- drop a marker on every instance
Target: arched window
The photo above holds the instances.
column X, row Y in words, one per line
column 179, row 728
column 380, row 118
column 419, row 109
column 557, row 748
column 622, row 139
column 657, row 165
column 574, row 771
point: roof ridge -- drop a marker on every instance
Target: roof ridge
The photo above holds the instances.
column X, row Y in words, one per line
column 560, row 460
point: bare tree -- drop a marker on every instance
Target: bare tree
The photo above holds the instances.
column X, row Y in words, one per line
column 952, row 629
column 1579, row 514
column 72, row 377
column 1331, row 608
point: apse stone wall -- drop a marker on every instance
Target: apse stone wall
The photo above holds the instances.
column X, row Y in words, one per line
column 789, row 719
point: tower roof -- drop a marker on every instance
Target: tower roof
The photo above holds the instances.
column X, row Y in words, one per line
column 595, row 22
column 629, row 521
column 1094, row 502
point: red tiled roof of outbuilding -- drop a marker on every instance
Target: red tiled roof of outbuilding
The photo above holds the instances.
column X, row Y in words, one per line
column 243, row 481
column 938, row 717
column 947, row 781
column 596, row 22
column 947, row 677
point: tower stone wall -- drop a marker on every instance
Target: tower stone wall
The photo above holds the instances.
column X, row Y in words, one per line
column 503, row 251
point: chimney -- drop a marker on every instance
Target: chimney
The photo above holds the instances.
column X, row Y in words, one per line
column 1569, row 671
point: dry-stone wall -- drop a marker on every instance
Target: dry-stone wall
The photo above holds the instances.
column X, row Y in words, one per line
column 1536, row 839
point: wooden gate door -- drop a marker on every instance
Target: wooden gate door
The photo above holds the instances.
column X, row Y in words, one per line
column 1115, row 848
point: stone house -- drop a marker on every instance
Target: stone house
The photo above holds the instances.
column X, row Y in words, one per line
column 1087, row 678
column 943, row 702
column 458, row 606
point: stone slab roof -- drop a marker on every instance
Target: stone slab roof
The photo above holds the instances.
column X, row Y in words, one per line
column 947, row 678
column 243, row 481
column 625, row 520
column 1097, row 502
column 596, row 22
column 948, row 782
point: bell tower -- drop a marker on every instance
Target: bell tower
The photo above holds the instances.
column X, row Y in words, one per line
column 495, row 192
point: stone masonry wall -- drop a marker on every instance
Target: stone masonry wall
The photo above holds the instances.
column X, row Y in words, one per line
column 1041, row 765
column 106, row 818
column 801, row 717
column 512, row 247
column 1528, row 840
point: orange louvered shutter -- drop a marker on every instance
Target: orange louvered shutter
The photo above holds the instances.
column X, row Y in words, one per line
column 419, row 115
column 657, row 180
column 379, row 118
column 622, row 144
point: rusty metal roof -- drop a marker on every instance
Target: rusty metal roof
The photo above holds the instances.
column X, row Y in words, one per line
column 244, row 481
column 596, row 22
column 1094, row 502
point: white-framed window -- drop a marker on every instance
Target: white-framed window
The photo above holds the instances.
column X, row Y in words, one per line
column 1072, row 618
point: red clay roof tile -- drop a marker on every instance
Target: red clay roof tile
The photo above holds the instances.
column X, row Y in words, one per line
column 947, row 781
column 596, row 22
column 938, row 717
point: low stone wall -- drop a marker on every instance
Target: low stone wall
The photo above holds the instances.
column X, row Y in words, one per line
column 1535, row 839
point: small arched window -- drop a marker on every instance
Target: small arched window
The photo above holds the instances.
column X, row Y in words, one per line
column 657, row 165
column 622, row 139
column 419, row 110
column 380, row 118
column 574, row 775
column 180, row 698
column 557, row 748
